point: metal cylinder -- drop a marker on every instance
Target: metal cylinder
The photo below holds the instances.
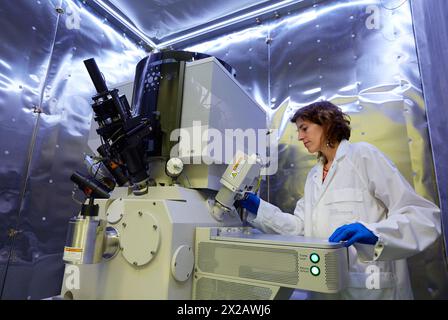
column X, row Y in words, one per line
column 85, row 240
column 226, row 198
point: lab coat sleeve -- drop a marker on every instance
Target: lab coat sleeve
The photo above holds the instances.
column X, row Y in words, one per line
column 412, row 223
column 271, row 219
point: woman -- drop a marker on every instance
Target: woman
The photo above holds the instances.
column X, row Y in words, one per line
column 354, row 194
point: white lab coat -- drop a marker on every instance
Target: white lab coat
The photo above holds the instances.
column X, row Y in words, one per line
column 363, row 186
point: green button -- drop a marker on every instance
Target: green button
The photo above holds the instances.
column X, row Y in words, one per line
column 315, row 271
column 314, row 257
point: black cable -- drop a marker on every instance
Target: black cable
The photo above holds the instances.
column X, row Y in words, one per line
column 97, row 169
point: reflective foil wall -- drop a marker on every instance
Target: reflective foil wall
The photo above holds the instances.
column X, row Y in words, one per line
column 360, row 55
column 45, row 116
column 431, row 33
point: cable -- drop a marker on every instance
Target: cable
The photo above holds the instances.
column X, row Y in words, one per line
column 25, row 184
column 118, row 139
column 112, row 136
column 97, row 169
column 391, row 9
column 383, row 6
column 76, row 200
column 188, row 180
column 258, row 185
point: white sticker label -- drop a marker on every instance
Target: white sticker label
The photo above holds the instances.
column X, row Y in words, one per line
column 72, row 254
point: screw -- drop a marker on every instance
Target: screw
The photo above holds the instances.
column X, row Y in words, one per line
column 124, row 225
column 155, row 227
column 59, row 10
column 152, row 252
column 140, row 213
column 36, row 109
column 135, row 263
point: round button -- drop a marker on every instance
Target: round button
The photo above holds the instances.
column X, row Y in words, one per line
column 315, row 271
column 314, row 257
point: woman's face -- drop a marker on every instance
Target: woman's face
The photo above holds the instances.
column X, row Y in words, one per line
column 311, row 134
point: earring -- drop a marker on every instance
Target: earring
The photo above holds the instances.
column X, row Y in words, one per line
column 328, row 144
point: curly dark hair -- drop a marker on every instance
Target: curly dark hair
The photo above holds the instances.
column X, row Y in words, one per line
column 336, row 124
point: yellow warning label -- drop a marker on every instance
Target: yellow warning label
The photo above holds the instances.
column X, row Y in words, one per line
column 237, row 168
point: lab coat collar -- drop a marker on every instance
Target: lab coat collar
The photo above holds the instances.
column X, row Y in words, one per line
column 342, row 150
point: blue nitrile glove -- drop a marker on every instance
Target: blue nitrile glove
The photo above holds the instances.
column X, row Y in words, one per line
column 250, row 202
column 351, row 233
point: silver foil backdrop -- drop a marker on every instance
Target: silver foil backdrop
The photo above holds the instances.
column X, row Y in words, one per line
column 45, row 116
column 362, row 56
